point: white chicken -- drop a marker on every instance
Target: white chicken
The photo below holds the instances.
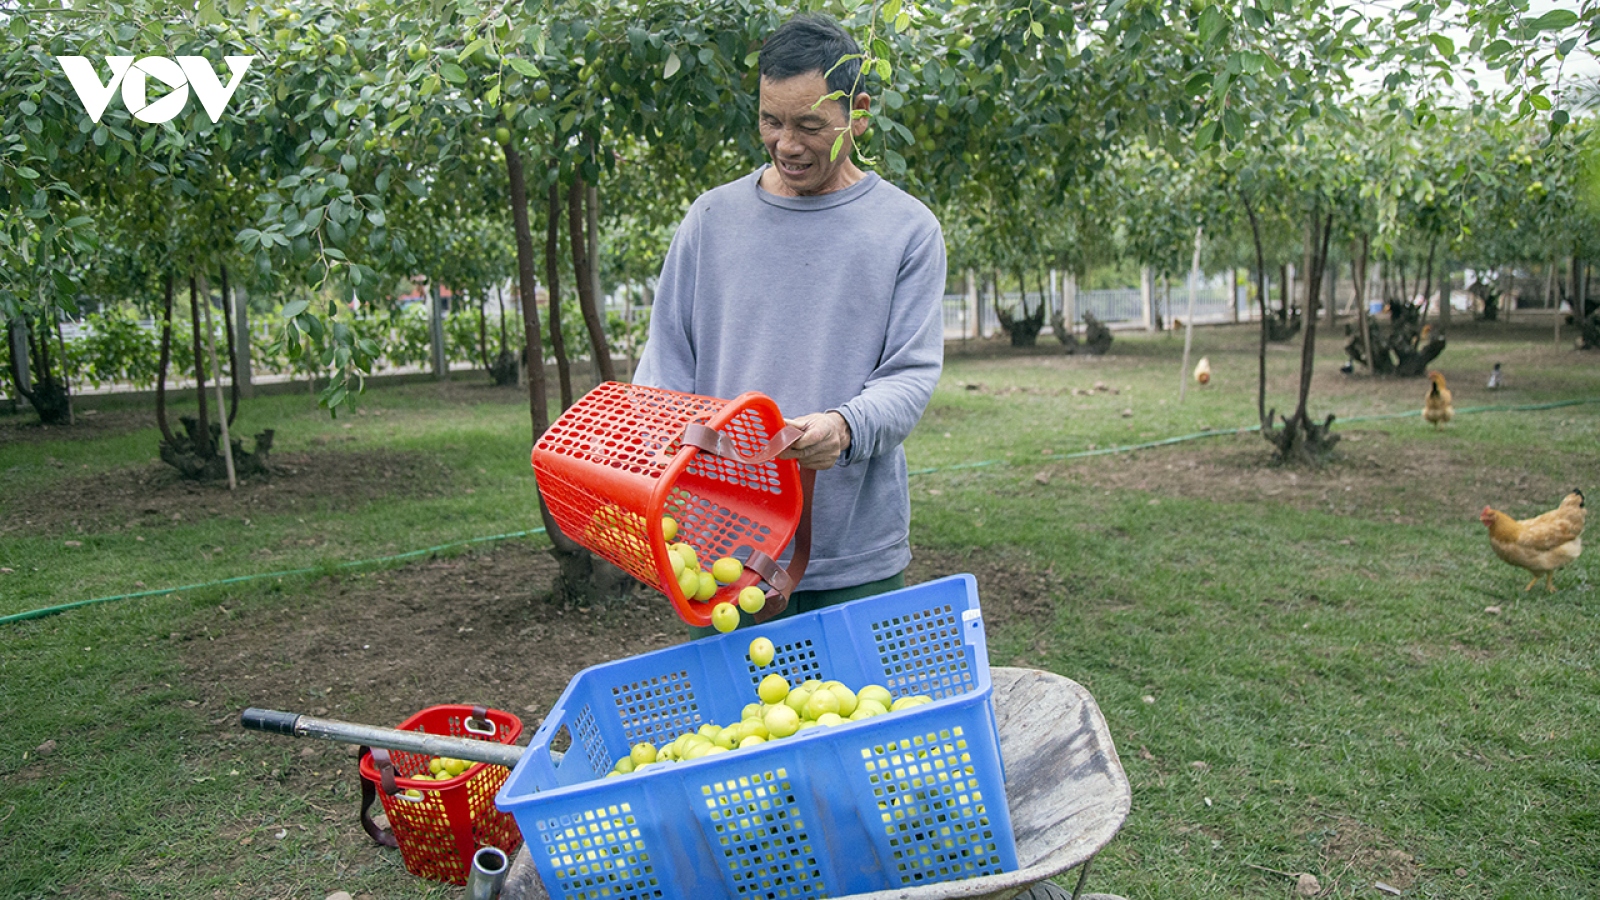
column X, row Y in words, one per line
column 1202, row 371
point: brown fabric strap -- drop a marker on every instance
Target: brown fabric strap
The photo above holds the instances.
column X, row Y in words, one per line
column 718, row 444
column 781, row 581
column 384, row 837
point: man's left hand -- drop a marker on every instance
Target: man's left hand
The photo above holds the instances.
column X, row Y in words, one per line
column 827, row 435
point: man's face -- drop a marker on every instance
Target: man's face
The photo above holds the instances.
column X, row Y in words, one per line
column 799, row 135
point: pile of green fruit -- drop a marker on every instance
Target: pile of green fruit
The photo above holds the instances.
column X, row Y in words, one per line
column 440, row 768
column 783, row 711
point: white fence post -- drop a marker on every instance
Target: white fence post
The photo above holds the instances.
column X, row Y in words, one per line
column 1069, row 302
column 973, row 309
column 1147, row 289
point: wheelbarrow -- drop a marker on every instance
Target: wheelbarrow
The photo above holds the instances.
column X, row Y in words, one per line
column 1066, row 790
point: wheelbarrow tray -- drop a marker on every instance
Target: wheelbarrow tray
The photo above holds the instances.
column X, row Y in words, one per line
column 1065, row 788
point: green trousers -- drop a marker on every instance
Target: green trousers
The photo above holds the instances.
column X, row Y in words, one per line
column 811, row 601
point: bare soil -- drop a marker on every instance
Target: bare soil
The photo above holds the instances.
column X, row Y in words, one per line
column 1368, row 478
column 89, row 425
column 153, row 494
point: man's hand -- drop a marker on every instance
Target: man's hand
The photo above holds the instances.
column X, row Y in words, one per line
column 826, row 436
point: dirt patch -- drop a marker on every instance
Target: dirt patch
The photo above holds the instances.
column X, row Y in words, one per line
column 90, row 425
column 1371, row 477
column 1014, row 589
column 1356, row 855
column 153, row 494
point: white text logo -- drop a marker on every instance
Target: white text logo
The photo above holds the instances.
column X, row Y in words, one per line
column 186, row 72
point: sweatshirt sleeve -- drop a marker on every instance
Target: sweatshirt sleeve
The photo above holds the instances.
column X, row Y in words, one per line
column 896, row 393
column 667, row 360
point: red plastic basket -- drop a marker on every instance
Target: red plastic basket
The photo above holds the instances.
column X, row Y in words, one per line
column 439, row 831
column 615, row 463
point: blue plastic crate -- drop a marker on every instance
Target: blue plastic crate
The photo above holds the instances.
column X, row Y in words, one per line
column 898, row 800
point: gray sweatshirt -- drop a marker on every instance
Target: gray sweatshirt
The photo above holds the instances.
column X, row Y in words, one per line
column 831, row 302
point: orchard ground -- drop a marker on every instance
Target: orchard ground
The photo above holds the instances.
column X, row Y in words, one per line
column 1301, row 668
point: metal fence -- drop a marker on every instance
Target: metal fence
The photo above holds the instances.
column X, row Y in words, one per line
column 1122, row 307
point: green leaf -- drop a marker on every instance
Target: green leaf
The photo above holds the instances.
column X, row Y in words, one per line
column 524, row 68
column 1233, row 125
column 885, row 71
column 902, row 22
column 1037, row 28
column 1212, row 21
column 453, row 73
column 672, row 65
column 838, row 144
column 1539, row 101
column 27, row 173
column 294, row 308
column 1444, row 45
column 1554, row 20
column 474, row 47
column 891, row 8
column 1198, row 84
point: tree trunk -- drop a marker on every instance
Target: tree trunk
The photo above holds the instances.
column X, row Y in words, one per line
column 583, row 577
column 202, row 432
column 1331, row 284
column 1358, row 274
column 1427, row 283
column 441, row 357
column 233, row 353
column 483, row 334
column 1302, row 440
column 552, row 280
column 500, row 303
column 17, row 337
column 583, row 273
column 164, row 361
column 66, row 380
column 538, row 394
column 242, row 374
column 1261, row 299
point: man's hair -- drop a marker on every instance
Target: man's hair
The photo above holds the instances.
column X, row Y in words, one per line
column 813, row 42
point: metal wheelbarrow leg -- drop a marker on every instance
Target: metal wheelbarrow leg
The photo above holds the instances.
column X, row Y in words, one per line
column 1065, row 788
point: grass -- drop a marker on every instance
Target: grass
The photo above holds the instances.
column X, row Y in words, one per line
column 1291, row 686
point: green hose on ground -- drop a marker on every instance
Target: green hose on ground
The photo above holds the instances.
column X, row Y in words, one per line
column 1124, row 448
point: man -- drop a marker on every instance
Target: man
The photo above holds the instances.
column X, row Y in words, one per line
column 821, row 286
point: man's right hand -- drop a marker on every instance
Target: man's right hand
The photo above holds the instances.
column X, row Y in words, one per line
column 826, row 437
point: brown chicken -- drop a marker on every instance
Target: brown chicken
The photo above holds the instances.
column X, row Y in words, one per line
column 1437, row 408
column 1541, row 544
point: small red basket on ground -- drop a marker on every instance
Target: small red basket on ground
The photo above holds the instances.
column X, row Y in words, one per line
column 445, row 822
column 618, row 460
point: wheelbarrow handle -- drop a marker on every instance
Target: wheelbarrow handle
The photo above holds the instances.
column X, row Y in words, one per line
column 290, row 724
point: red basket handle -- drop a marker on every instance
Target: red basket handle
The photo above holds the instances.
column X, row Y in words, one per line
column 783, row 581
